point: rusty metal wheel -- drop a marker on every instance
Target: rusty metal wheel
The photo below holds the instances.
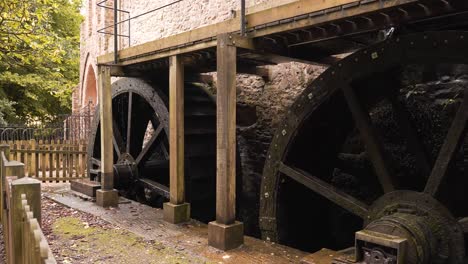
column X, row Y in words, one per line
column 376, row 143
column 141, row 159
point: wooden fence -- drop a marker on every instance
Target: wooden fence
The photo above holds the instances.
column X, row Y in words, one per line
column 53, row 160
column 20, row 201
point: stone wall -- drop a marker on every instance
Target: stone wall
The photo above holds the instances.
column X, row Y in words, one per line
column 261, row 104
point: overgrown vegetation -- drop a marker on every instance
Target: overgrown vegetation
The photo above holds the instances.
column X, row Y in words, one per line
column 39, row 58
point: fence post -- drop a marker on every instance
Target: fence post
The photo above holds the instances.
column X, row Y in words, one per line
column 32, row 189
column 5, row 149
column 15, row 168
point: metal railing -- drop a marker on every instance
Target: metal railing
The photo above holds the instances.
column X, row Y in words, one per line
column 74, row 127
column 116, row 10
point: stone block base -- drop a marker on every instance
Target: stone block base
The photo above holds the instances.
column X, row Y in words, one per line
column 176, row 213
column 85, row 186
column 225, row 237
column 107, row 198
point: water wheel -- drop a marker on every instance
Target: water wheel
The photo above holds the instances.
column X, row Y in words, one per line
column 140, row 139
column 377, row 142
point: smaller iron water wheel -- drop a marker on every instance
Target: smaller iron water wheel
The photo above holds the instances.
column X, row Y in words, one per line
column 376, row 143
column 141, row 145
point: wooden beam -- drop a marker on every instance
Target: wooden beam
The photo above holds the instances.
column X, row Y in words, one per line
column 176, row 130
column 176, row 211
column 368, row 134
column 107, row 196
column 293, row 10
column 105, row 114
column 226, row 132
column 225, row 233
column 204, row 37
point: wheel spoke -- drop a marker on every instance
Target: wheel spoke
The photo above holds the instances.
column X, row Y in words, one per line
column 156, row 164
column 164, row 149
column 369, row 136
column 117, row 139
column 328, row 191
column 452, row 141
column 96, row 162
column 129, row 120
column 157, row 187
column 150, row 143
column 412, row 138
column 94, row 171
column 464, row 224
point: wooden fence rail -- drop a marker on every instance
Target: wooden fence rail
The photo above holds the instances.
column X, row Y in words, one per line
column 20, row 215
column 52, row 161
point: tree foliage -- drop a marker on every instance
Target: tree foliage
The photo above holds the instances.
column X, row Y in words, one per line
column 39, row 58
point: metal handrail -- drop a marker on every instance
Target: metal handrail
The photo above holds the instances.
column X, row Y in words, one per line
column 115, row 33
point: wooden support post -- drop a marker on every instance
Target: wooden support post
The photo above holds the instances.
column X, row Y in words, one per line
column 226, row 233
column 176, row 210
column 107, row 195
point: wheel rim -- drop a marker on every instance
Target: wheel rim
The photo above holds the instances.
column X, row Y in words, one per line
column 342, row 94
column 142, row 173
column 138, row 111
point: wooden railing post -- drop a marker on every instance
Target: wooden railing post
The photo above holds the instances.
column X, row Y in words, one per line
column 107, row 195
column 4, row 149
column 226, row 233
column 32, row 189
column 176, row 210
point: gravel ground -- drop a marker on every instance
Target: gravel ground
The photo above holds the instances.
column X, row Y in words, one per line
column 51, row 212
column 78, row 237
column 2, row 246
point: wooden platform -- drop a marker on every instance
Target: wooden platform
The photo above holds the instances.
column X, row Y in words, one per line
column 281, row 33
column 148, row 222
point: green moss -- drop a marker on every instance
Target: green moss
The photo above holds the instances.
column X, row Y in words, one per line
column 102, row 245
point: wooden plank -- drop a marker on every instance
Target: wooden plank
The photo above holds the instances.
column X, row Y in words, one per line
column 293, row 10
column 105, row 111
column 17, row 148
column 36, row 161
column 84, row 162
column 57, row 161
column 43, row 159
column 226, row 132
column 47, row 148
column 76, row 167
column 12, row 149
column 51, row 160
column 176, row 130
column 330, row 17
column 32, row 157
column 70, row 158
column 255, row 19
column 134, row 54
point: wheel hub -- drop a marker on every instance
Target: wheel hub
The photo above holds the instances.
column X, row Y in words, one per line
column 125, row 170
column 430, row 232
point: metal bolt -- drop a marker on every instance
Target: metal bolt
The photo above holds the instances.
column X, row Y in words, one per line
column 283, row 132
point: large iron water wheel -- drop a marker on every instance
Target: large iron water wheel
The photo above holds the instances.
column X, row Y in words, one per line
column 364, row 148
column 141, row 147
